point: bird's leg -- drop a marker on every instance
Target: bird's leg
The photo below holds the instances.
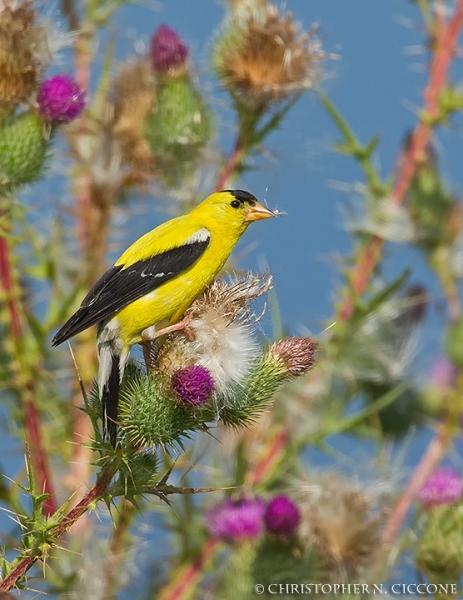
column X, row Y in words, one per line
column 150, row 334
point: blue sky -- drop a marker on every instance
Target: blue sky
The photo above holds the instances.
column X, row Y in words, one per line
column 376, row 83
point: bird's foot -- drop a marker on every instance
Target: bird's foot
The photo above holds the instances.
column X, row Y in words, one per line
column 150, row 334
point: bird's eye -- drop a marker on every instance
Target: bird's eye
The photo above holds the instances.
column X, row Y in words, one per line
column 235, row 203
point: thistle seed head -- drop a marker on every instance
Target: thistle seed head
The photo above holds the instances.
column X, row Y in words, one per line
column 344, row 525
column 20, row 65
column 296, row 354
column 134, row 96
column 265, row 57
column 223, row 338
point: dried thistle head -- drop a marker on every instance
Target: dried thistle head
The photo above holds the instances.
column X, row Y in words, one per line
column 344, row 525
column 265, row 57
column 98, row 152
column 296, row 353
column 221, row 326
column 454, row 222
column 134, row 96
column 20, row 63
column 232, row 301
column 246, row 5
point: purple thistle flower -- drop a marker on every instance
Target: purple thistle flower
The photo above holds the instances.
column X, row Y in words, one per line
column 194, row 385
column 237, row 520
column 60, row 99
column 443, row 374
column 168, row 50
column 443, row 487
column 282, row 516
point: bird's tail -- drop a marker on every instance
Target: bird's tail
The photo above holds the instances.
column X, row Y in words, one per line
column 112, row 364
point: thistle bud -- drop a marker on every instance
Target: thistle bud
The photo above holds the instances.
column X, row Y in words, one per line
column 193, row 385
column 296, row 355
column 60, row 99
column 168, row 50
column 282, row 516
column 237, row 520
column 179, row 127
column 23, row 150
column 431, row 205
column 442, row 378
column 439, row 546
column 149, row 414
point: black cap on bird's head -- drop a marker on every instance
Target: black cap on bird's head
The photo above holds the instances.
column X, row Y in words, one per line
column 255, row 211
column 232, row 208
column 242, row 196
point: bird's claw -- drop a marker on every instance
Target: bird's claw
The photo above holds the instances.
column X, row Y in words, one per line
column 150, row 334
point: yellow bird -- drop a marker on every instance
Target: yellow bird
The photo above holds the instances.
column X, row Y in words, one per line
column 147, row 291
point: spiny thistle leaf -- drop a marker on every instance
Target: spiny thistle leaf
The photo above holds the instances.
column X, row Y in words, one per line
column 138, row 472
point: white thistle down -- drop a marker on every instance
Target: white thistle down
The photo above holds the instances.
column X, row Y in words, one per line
column 221, row 325
column 386, row 341
column 388, row 221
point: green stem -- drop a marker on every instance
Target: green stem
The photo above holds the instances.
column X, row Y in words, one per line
column 30, row 555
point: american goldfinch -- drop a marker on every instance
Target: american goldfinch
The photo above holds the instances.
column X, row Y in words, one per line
column 147, row 291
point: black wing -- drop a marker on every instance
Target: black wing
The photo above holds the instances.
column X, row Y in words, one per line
column 118, row 286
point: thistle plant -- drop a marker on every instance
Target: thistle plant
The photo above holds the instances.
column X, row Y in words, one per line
column 219, row 376
column 225, row 429
column 438, row 552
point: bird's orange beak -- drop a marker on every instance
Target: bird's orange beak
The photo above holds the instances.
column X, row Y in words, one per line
column 258, row 212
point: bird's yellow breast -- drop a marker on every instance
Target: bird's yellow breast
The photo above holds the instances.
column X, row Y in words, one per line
column 166, row 304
